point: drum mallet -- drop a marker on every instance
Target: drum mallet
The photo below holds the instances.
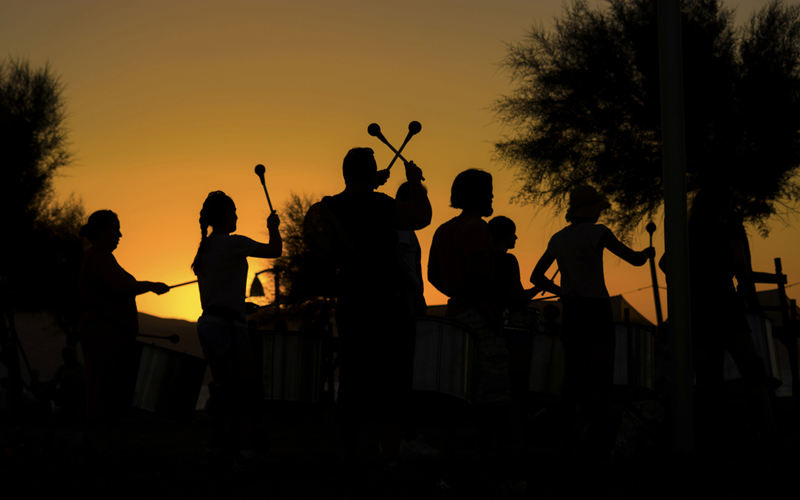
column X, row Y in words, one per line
column 413, row 129
column 260, row 169
column 182, row 284
column 172, row 338
column 375, row 131
column 651, row 228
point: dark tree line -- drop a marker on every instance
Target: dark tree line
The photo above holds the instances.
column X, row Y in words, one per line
column 586, row 108
column 303, row 279
column 42, row 251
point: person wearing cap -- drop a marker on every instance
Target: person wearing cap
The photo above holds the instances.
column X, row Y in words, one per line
column 587, row 325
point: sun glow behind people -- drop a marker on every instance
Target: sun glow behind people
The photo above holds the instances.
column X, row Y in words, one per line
column 168, row 101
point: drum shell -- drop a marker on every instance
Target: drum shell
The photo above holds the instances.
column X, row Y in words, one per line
column 634, row 355
column 634, row 364
column 291, row 365
column 547, row 365
column 168, row 382
column 443, row 358
column 761, row 328
column 521, row 319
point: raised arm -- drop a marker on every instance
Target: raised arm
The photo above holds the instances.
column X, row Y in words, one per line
column 417, row 214
column 632, row 257
column 274, row 248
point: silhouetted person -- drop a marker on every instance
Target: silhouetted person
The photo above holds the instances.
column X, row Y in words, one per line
column 516, row 300
column 410, row 254
column 108, row 326
column 587, row 325
column 372, row 316
column 221, row 268
column 717, row 254
column 461, row 266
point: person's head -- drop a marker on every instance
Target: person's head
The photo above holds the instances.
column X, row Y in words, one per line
column 359, row 167
column 102, row 229
column 219, row 212
column 472, row 189
column 404, row 192
column 504, row 233
column 585, row 205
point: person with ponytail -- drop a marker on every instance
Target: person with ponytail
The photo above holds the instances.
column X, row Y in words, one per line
column 221, row 269
column 108, row 326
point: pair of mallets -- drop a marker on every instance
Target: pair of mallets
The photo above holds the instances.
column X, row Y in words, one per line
column 413, row 129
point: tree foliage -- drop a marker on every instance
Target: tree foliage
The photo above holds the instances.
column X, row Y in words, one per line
column 40, row 258
column 586, row 107
column 303, row 278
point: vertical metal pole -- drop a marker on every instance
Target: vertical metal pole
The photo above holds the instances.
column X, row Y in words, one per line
column 676, row 233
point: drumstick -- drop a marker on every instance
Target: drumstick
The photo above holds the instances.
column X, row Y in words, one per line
column 413, row 129
column 172, row 338
column 181, row 284
column 551, row 279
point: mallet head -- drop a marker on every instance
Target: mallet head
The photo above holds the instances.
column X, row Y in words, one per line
column 374, row 130
column 260, row 169
column 651, row 227
column 414, row 128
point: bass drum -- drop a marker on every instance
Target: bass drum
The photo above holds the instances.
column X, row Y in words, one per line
column 761, row 328
column 443, row 358
column 291, row 365
column 168, row 382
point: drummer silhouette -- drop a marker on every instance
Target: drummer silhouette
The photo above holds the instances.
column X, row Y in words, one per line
column 373, row 322
column 461, row 265
column 717, row 253
column 221, row 268
column 108, row 326
column 587, row 328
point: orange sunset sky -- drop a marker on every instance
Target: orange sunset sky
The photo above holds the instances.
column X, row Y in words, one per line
column 168, row 100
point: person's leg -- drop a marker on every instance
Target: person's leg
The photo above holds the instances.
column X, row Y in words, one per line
column 742, row 348
column 575, row 361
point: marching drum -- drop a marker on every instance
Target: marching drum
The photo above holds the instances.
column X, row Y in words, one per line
column 443, row 357
column 547, row 365
column 292, row 366
column 634, row 356
column 168, row 382
column 522, row 319
column 761, row 327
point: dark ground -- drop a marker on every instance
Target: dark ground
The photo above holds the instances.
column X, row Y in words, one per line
column 157, row 457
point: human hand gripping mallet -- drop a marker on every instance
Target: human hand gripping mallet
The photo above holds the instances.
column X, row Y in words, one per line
column 413, row 129
column 651, row 228
column 260, row 169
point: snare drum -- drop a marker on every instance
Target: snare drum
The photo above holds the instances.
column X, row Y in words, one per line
column 634, row 356
column 761, row 328
column 443, row 357
column 547, row 365
column 292, row 366
column 521, row 319
column 168, row 382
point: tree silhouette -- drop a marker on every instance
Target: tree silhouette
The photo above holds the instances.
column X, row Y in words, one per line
column 586, row 108
column 302, row 278
column 41, row 256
